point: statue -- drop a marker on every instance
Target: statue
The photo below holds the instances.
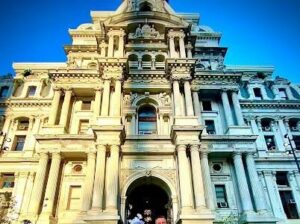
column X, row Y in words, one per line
column 139, row 32
column 131, row 5
column 145, row 31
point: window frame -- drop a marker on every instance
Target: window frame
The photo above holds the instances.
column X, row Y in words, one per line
column 225, row 197
column 147, row 119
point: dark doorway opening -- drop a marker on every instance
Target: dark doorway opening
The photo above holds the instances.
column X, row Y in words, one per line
column 149, row 200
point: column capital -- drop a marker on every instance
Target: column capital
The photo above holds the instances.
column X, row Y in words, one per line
column 114, row 148
column 91, row 155
column 269, row 173
column 98, row 88
column 224, row 90
column 236, row 154
column 44, row 155
column 56, row 155
column 195, row 148
column 101, row 147
column 204, row 154
column 181, row 148
column 57, row 89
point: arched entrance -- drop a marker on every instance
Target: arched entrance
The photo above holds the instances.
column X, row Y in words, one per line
column 150, row 197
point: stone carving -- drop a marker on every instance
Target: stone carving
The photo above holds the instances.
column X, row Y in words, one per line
column 146, row 32
column 128, row 99
column 165, row 99
column 131, row 5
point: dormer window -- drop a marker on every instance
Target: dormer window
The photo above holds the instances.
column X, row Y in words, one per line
column 147, row 120
column 31, row 91
column 86, row 105
column 145, row 7
column 257, row 93
column 282, row 94
column 4, row 91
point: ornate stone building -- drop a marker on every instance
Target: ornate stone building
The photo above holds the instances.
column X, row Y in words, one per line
column 144, row 117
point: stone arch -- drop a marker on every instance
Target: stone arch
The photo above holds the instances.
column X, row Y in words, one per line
column 143, row 100
column 145, row 6
column 133, row 181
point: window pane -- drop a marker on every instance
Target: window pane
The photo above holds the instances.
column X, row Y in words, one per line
column 4, row 91
column 20, row 143
column 31, row 91
column 147, row 120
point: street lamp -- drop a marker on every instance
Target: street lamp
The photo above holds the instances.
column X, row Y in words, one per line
column 293, row 150
column 4, row 140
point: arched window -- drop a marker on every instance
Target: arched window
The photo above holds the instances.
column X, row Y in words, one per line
column 147, row 120
column 145, row 7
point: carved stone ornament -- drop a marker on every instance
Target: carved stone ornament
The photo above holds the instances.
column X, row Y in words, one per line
column 183, row 72
column 165, row 99
column 128, row 99
column 146, row 32
column 113, row 72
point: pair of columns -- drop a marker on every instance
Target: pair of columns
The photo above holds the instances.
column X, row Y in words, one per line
column 107, row 101
column 182, row 52
column 65, row 107
column 256, row 188
column 51, row 188
column 192, row 179
column 188, row 110
column 236, row 107
column 93, row 191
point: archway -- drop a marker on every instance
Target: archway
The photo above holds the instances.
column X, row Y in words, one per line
column 150, row 197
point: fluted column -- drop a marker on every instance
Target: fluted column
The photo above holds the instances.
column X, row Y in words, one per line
column 242, row 183
column 197, row 107
column 237, row 108
column 52, row 185
column 99, row 178
column 66, row 108
column 38, row 186
column 54, row 107
column 172, row 46
column 113, row 179
column 227, row 108
column 28, row 191
column 256, row 187
column 89, row 181
column 21, row 186
column 188, row 98
column 117, row 98
column 182, row 47
column 197, row 178
column 110, row 45
column 185, row 179
column 177, row 103
column 106, row 96
column 207, row 181
column 97, row 104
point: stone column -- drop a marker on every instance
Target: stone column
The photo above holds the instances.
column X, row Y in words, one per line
column 237, row 108
column 113, row 179
column 28, row 193
column 54, row 107
column 172, row 46
column 89, row 181
column 103, row 47
column 260, row 141
column 66, row 108
column 197, row 107
column 19, row 195
column 52, row 184
column 207, row 181
column 121, row 44
column 177, row 100
column 38, row 186
column 117, row 98
column 110, row 45
column 5, row 130
column 256, row 187
column 227, row 108
column 273, row 193
column 297, row 178
column 185, row 179
column 97, row 104
column 182, row 47
column 188, row 99
column 242, row 183
column 97, row 203
column 106, row 96
column 189, row 48
column 197, row 178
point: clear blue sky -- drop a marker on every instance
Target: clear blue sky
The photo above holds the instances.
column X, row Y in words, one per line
column 257, row 32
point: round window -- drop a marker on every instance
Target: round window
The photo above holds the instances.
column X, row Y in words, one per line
column 77, row 168
column 217, row 167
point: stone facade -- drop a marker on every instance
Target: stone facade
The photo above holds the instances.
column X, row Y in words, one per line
column 145, row 115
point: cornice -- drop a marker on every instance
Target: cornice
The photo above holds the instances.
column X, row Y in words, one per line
column 292, row 104
column 25, row 103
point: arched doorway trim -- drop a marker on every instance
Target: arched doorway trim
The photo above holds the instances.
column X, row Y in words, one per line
column 168, row 187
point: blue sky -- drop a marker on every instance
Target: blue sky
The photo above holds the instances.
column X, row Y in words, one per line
column 257, row 32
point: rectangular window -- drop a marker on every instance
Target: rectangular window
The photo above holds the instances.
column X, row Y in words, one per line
column 31, row 91
column 74, row 198
column 282, row 94
column 210, row 127
column 257, row 93
column 221, row 196
column 282, row 179
column 270, row 142
column 206, row 105
column 19, row 143
column 83, row 126
column 289, row 204
column 4, row 91
column 297, row 141
column 7, row 181
column 86, row 105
